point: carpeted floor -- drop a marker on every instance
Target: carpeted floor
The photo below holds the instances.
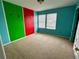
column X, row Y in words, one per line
column 40, row 46
column 2, row 56
column 1, row 53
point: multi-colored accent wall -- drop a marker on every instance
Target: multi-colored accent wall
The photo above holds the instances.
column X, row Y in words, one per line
column 20, row 22
column 17, row 22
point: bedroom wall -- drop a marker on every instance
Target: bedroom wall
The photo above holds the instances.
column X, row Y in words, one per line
column 35, row 21
column 14, row 18
column 65, row 18
column 28, row 21
column 3, row 26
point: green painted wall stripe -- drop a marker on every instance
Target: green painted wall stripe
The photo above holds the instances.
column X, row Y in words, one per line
column 15, row 21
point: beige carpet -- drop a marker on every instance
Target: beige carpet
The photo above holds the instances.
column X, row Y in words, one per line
column 40, row 46
column 1, row 52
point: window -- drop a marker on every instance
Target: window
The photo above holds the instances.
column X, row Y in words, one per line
column 51, row 21
column 41, row 21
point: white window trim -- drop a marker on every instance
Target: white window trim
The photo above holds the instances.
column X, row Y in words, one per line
column 42, row 21
column 51, row 24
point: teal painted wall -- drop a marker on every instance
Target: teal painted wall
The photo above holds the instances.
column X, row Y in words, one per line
column 65, row 18
column 74, row 26
column 35, row 21
column 3, row 28
column 77, row 2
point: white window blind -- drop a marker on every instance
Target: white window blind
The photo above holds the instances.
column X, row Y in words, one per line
column 41, row 21
column 51, row 21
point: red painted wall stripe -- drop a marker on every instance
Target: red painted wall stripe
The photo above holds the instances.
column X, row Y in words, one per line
column 29, row 21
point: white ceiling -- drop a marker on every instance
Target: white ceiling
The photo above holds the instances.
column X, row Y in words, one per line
column 47, row 4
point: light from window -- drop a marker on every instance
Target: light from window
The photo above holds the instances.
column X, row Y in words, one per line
column 51, row 21
column 41, row 21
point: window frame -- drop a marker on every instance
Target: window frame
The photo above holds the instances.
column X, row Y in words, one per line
column 44, row 26
column 53, row 26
